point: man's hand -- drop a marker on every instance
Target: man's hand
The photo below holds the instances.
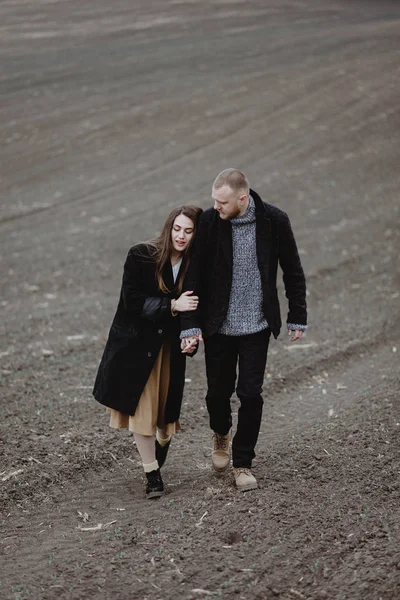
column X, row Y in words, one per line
column 296, row 334
column 188, row 344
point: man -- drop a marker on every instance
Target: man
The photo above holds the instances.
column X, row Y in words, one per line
column 239, row 243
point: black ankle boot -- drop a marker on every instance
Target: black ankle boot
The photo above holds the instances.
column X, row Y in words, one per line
column 161, row 452
column 155, row 485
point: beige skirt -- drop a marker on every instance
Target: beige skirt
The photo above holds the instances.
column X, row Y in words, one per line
column 149, row 414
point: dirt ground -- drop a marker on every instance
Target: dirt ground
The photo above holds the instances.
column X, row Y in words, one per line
column 112, row 113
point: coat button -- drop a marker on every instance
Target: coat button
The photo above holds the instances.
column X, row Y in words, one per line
column 160, row 331
column 149, row 354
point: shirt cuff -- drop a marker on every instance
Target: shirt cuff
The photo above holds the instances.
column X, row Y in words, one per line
column 295, row 327
column 190, row 332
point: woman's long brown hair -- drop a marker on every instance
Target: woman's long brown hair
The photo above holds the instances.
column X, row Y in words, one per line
column 161, row 248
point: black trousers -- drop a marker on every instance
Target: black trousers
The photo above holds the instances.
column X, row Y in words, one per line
column 223, row 352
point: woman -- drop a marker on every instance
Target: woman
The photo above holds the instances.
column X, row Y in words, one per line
column 142, row 372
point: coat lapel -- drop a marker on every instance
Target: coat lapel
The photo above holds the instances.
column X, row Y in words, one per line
column 226, row 241
column 263, row 241
column 263, row 236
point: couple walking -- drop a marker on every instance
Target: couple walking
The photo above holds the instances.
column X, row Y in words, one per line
column 209, row 275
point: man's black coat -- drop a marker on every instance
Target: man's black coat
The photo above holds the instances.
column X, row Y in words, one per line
column 142, row 323
column 210, row 271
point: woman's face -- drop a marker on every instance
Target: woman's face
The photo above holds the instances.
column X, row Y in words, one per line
column 182, row 233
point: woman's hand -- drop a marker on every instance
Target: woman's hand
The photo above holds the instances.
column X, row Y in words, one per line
column 186, row 302
column 188, row 344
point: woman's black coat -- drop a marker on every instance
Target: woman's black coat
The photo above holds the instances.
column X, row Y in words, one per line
column 142, row 323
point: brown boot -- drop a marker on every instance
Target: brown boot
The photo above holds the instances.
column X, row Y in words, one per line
column 221, row 452
column 244, row 479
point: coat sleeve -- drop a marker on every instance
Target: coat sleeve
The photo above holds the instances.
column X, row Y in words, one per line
column 136, row 301
column 293, row 275
column 195, row 277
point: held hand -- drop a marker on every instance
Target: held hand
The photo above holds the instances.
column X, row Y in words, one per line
column 189, row 344
column 186, row 302
column 296, row 334
column 190, row 350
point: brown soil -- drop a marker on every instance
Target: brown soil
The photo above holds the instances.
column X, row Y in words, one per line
column 111, row 114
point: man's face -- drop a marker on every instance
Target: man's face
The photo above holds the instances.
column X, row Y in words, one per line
column 228, row 203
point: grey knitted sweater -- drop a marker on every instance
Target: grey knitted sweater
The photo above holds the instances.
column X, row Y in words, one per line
column 245, row 314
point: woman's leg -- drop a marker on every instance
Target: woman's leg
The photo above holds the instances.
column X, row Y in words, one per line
column 163, row 441
column 164, row 433
column 163, row 437
column 147, row 450
column 146, row 447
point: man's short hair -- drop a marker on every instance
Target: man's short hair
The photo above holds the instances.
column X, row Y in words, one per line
column 235, row 179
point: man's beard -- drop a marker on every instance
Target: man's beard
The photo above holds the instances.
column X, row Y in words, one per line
column 234, row 215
